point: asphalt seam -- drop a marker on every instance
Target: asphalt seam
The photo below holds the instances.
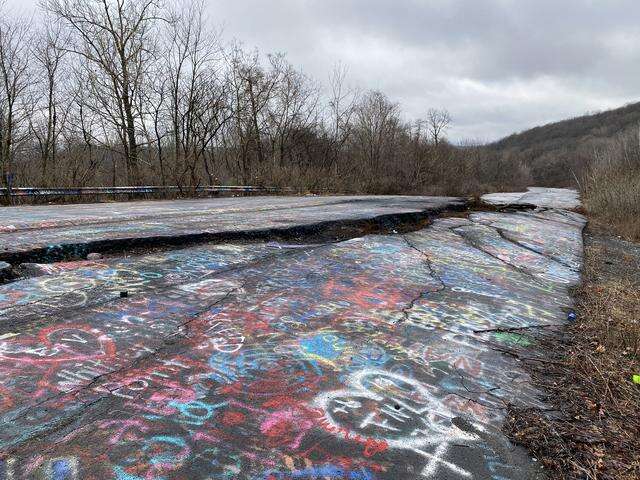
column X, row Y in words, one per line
column 519, row 329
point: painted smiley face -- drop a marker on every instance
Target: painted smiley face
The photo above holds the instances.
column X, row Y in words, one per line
column 387, row 406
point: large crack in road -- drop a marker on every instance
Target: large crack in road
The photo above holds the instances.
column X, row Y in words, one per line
column 386, row 356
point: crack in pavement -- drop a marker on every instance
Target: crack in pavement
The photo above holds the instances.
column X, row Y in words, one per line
column 422, row 294
column 516, row 355
column 513, row 267
column 505, row 235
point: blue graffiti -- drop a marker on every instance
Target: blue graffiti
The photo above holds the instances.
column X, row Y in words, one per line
column 325, row 471
column 328, row 347
column 61, row 469
column 196, row 412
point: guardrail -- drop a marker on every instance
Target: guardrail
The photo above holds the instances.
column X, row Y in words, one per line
column 49, row 192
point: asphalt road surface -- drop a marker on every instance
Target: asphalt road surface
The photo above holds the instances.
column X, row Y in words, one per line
column 536, row 197
column 381, row 357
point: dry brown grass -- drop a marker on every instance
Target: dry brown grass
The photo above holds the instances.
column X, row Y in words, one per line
column 611, row 188
column 614, row 199
column 594, row 431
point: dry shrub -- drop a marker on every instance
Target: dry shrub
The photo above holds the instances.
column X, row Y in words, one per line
column 611, row 188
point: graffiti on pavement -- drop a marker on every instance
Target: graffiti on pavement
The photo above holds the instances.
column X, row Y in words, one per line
column 365, row 359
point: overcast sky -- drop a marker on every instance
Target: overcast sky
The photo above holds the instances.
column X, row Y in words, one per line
column 498, row 66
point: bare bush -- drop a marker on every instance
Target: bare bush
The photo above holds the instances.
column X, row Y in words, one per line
column 611, row 186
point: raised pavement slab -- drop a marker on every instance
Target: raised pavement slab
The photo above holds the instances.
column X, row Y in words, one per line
column 54, row 231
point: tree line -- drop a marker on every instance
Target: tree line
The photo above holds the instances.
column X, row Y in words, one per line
column 139, row 92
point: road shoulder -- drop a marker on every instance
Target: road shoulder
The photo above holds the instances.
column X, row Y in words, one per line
column 593, row 429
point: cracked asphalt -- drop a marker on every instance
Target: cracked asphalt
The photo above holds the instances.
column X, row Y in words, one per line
column 380, row 357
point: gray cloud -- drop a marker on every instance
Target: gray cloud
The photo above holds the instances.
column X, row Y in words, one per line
column 498, row 65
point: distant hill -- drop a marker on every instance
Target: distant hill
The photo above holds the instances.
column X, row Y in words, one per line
column 556, row 152
column 603, row 125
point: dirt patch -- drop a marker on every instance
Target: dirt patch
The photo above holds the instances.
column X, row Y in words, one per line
column 592, row 430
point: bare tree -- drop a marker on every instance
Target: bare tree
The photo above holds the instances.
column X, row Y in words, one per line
column 252, row 89
column 197, row 97
column 82, row 132
column 292, row 109
column 438, row 121
column 14, row 84
column 115, row 39
column 154, row 101
column 377, row 125
column 339, row 124
column 117, row 91
column 48, row 118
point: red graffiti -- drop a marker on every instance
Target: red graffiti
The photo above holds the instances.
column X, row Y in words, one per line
column 232, row 418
